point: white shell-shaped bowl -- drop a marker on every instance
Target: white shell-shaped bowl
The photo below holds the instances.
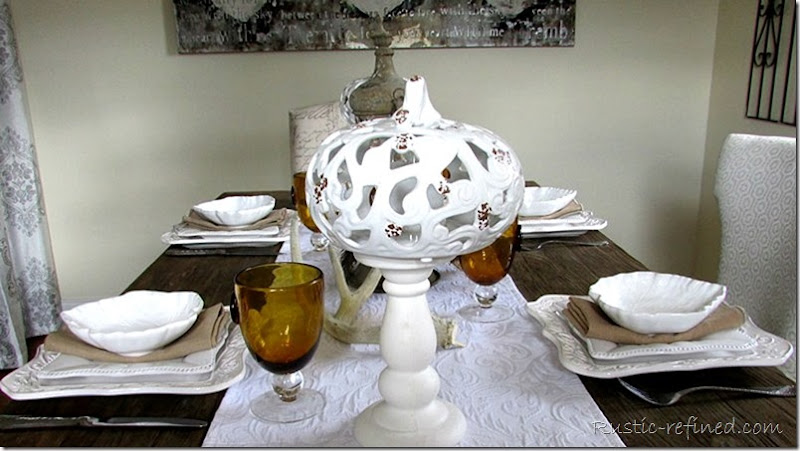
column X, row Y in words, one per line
column 236, row 210
column 545, row 200
column 135, row 323
column 650, row 302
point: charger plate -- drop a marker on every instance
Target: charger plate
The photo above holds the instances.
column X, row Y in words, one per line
column 23, row 383
column 768, row 350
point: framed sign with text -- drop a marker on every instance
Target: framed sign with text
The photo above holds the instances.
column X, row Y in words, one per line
column 215, row 26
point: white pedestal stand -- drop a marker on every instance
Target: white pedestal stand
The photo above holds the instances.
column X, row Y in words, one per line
column 409, row 414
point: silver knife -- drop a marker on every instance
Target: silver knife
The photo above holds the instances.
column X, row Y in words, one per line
column 8, row 422
column 234, row 251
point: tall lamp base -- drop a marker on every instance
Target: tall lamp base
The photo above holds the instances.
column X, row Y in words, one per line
column 410, row 414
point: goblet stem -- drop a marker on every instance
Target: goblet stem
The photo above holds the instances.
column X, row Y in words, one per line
column 290, row 402
column 319, row 241
column 485, row 311
column 486, row 295
column 287, row 385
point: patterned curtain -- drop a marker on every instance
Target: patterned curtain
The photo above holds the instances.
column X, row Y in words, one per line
column 30, row 302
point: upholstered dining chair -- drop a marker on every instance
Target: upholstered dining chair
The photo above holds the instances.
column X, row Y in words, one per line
column 756, row 187
column 308, row 126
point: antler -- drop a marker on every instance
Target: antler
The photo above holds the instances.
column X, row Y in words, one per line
column 344, row 325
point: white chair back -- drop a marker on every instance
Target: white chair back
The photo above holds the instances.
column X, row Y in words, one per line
column 756, row 187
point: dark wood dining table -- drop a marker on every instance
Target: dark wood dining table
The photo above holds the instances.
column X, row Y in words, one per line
column 754, row 421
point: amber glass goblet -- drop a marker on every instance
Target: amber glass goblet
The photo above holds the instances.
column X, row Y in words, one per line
column 280, row 309
column 486, row 267
column 318, row 240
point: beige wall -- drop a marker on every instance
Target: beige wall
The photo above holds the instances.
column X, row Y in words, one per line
column 130, row 134
column 727, row 115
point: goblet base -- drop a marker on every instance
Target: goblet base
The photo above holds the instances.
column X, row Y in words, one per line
column 270, row 407
column 440, row 425
column 479, row 314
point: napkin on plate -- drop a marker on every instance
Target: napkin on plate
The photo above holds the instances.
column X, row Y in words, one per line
column 590, row 319
column 201, row 336
column 276, row 217
column 572, row 207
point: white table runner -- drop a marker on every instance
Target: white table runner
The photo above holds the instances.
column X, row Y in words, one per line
column 507, row 381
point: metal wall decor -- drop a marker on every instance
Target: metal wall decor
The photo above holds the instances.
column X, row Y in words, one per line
column 214, row 26
column 772, row 92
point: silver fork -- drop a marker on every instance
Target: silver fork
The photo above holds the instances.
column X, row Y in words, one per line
column 669, row 398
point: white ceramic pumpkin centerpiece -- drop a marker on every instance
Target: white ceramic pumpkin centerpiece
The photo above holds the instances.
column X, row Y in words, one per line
column 405, row 194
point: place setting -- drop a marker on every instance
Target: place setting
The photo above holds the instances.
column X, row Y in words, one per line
column 140, row 342
column 234, row 223
column 549, row 211
column 646, row 322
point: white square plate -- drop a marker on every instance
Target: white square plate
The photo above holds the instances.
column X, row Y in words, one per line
column 188, row 236
column 769, row 349
column 23, row 383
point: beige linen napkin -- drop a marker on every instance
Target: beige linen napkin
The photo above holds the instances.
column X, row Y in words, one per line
column 572, row 207
column 201, row 336
column 590, row 319
column 276, row 217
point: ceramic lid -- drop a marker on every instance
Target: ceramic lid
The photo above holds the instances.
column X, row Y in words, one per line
column 414, row 185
